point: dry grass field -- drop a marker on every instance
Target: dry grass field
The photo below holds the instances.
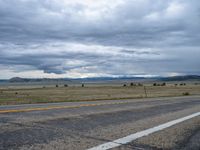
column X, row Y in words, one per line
column 40, row 94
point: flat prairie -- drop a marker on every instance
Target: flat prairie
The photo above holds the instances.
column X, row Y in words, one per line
column 50, row 93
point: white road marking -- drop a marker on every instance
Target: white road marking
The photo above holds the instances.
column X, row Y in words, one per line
column 140, row 134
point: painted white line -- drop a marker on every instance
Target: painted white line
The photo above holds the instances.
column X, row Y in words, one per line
column 140, row 134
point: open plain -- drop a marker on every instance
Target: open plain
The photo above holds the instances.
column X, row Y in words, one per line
column 29, row 94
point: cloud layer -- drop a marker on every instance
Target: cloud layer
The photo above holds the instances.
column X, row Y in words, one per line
column 75, row 38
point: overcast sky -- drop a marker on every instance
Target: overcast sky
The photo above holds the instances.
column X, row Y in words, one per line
column 89, row 38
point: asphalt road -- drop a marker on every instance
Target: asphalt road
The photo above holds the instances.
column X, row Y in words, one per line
column 84, row 125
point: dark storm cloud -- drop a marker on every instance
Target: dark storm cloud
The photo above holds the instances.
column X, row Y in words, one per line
column 112, row 37
column 50, row 62
column 130, row 22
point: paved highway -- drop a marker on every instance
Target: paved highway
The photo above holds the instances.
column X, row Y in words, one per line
column 155, row 123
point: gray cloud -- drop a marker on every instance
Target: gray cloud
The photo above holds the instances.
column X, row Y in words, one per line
column 102, row 38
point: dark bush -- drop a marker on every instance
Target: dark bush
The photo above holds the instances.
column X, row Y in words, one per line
column 163, row 84
column 182, row 84
column 65, row 85
column 56, row 85
column 186, row 93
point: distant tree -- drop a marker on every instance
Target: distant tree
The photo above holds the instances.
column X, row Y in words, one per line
column 163, row 84
column 56, row 85
column 124, row 85
column 176, row 84
column 132, row 84
column 155, row 84
column 83, row 85
column 65, row 85
column 186, row 93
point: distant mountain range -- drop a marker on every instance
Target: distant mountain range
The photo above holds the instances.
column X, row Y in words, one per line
column 104, row 79
column 18, row 79
column 181, row 78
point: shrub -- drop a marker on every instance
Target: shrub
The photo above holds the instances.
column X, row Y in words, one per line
column 82, row 85
column 163, row 84
column 182, row 84
column 65, row 85
column 56, row 85
column 186, row 93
